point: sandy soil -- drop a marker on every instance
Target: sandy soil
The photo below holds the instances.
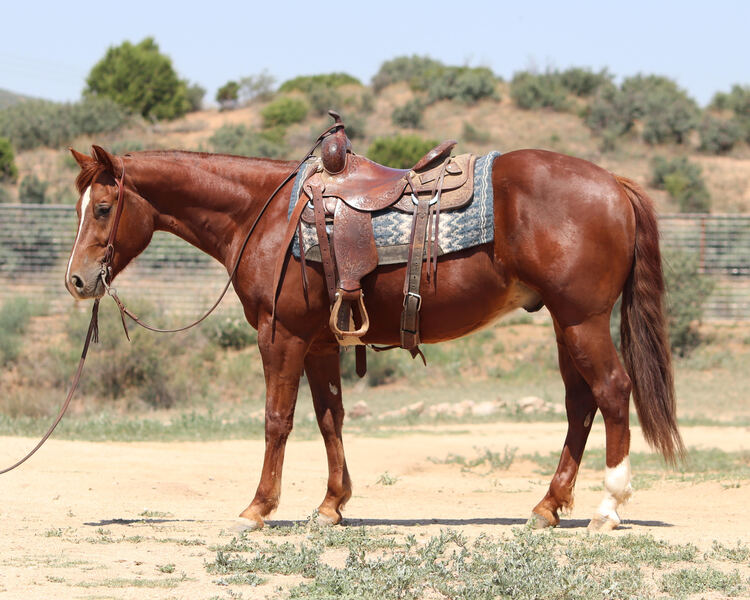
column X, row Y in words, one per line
column 70, row 516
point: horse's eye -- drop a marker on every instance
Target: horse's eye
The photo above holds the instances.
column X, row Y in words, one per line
column 103, row 210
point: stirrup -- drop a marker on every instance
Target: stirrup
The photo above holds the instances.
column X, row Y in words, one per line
column 350, row 337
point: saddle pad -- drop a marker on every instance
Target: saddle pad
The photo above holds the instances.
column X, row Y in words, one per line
column 470, row 226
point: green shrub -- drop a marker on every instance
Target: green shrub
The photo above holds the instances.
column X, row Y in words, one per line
column 8, row 169
column 412, row 69
column 41, row 123
column 718, row 136
column 464, row 84
column 284, row 111
column 532, row 91
column 409, row 115
column 242, row 141
column 140, row 78
column 666, row 110
column 32, row 190
column 195, row 94
column 15, row 315
column 584, row 82
column 737, row 100
column 323, row 98
column 401, row 151
column 257, row 87
column 227, row 94
column 125, row 146
column 356, row 126
column 687, row 292
column 609, row 114
column 683, row 181
column 304, row 83
column 471, row 134
column 231, row 332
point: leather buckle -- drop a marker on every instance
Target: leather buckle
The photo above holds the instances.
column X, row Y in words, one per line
column 417, row 296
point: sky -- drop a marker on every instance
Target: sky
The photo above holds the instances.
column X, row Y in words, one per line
column 48, row 48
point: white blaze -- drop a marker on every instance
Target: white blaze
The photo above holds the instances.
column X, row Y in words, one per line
column 617, row 489
column 85, row 199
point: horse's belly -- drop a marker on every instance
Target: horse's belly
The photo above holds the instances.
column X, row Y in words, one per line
column 471, row 292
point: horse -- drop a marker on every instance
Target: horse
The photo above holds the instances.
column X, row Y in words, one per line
column 567, row 234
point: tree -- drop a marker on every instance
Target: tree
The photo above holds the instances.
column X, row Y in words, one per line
column 227, row 95
column 8, row 169
column 140, row 78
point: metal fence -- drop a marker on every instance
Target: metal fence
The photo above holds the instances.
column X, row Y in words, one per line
column 35, row 242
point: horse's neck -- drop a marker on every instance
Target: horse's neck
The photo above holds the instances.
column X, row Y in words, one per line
column 207, row 200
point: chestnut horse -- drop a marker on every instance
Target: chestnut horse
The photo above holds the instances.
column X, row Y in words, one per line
column 567, row 233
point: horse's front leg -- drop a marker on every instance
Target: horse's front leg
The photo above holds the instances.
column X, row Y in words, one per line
column 283, row 357
column 324, row 375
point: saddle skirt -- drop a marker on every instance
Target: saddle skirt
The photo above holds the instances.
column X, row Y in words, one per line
column 466, row 219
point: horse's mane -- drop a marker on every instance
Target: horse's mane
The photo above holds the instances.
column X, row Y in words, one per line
column 91, row 170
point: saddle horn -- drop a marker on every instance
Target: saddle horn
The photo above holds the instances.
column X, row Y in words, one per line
column 335, row 147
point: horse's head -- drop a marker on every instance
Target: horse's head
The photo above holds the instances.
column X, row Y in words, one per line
column 98, row 189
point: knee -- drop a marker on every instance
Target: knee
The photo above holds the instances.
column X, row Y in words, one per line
column 278, row 424
column 613, row 395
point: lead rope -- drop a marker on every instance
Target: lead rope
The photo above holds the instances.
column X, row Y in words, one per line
column 105, row 273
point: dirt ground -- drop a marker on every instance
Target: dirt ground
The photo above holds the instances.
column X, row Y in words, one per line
column 90, row 520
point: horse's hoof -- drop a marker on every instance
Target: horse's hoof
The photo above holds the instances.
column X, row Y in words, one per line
column 328, row 518
column 602, row 524
column 537, row 521
column 250, row 520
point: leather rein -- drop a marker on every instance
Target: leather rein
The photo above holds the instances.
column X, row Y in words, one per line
column 106, row 276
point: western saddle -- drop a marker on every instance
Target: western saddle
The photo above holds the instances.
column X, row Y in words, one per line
column 341, row 193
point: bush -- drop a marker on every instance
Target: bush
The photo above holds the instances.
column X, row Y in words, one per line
column 355, row 126
column 15, row 315
column 687, row 292
column 718, row 136
column 409, row 115
column 464, row 84
column 584, row 82
column 32, row 190
column 401, row 151
column 195, row 94
column 737, row 100
column 305, row 83
column 141, row 78
column 323, row 98
column 284, row 111
column 8, row 169
column 471, row 134
column 231, row 332
column 257, row 87
column 228, row 94
column 41, row 123
column 242, row 141
column 412, row 69
column 531, row 91
column 683, row 181
column 667, row 112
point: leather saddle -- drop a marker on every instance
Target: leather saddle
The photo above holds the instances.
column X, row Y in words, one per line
column 341, row 193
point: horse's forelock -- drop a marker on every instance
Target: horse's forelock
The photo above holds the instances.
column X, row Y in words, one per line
column 87, row 175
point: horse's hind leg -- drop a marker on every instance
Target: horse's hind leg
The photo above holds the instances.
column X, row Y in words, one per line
column 581, row 408
column 323, row 374
column 282, row 364
column 592, row 352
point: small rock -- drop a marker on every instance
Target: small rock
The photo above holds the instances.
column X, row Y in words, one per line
column 484, row 409
column 531, row 404
column 359, row 411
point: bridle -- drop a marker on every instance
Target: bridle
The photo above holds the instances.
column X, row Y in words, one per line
column 105, row 275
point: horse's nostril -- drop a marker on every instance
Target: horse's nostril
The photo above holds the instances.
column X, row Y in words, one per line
column 77, row 281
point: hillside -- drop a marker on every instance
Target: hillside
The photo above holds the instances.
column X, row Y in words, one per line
column 8, row 98
column 488, row 124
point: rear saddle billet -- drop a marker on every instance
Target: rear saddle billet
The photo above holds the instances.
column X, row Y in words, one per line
column 341, row 193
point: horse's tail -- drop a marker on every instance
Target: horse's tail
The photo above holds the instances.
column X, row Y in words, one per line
column 643, row 333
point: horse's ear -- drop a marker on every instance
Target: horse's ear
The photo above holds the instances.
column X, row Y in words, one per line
column 81, row 159
column 105, row 159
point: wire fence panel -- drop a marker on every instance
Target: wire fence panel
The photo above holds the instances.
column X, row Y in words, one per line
column 35, row 242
